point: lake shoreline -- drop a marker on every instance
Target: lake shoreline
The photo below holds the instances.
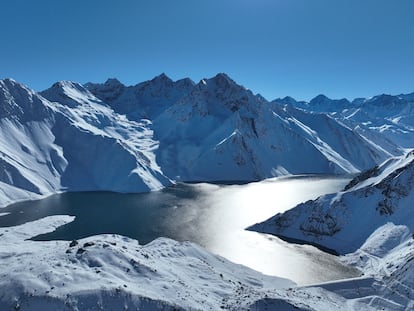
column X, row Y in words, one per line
column 212, row 215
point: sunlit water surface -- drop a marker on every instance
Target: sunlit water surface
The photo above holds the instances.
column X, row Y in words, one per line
column 211, row 215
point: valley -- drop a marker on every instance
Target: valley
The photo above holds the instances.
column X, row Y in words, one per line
column 172, row 150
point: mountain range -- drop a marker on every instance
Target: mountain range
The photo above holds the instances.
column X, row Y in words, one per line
column 109, row 136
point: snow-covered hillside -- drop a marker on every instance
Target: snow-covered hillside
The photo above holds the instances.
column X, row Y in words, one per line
column 110, row 271
column 371, row 221
column 73, row 143
column 386, row 259
column 342, row 222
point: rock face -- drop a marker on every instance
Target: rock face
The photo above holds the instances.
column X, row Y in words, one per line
column 342, row 222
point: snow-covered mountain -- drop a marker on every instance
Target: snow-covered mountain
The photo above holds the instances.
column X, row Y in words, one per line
column 343, row 222
column 136, row 138
column 72, row 142
column 392, row 117
column 219, row 130
column 222, row 131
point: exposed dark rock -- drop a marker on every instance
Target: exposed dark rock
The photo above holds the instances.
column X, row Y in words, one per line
column 80, row 251
column 361, row 177
column 73, row 243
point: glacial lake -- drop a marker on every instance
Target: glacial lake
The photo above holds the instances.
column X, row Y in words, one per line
column 211, row 215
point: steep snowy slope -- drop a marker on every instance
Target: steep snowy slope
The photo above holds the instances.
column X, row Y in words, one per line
column 31, row 163
column 333, row 137
column 76, row 144
column 110, row 152
column 222, row 131
column 342, row 222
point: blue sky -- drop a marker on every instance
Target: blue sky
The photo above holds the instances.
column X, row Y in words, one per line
column 301, row 48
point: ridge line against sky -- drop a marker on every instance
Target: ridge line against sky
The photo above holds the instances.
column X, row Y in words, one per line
column 298, row 48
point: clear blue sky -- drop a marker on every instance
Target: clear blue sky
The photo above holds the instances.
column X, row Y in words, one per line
column 342, row 48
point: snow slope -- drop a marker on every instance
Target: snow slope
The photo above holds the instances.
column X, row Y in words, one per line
column 77, row 143
column 126, row 161
column 342, row 222
column 388, row 258
column 112, row 272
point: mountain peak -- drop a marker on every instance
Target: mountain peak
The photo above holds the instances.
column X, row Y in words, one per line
column 68, row 93
column 9, row 81
column 222, row 78
column 19, row 101
column 113, row 82
column 162, row 78
column 384, row 98
column 287, row 100
column 319, row 98
column 323, row 103
column 65, row 85
column 186, row 82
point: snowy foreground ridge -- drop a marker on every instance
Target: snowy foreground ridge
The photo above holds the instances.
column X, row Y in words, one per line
column 140, row 138
column 342, row 222
column 371, row 221
column 111, row 272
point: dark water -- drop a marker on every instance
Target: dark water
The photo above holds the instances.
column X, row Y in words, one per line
column 213, row 216
column 143, row 216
